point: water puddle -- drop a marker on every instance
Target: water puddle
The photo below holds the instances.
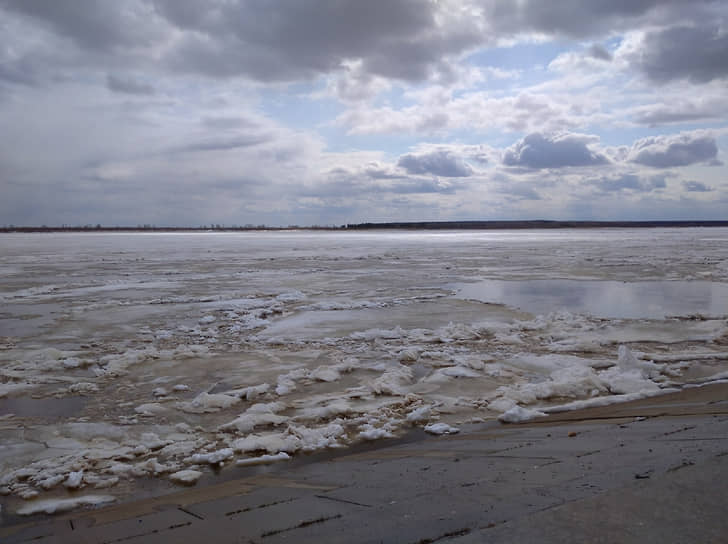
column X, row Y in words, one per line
column 612, row 299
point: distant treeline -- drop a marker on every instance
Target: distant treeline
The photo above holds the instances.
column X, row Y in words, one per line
column 536, row 224
column 406, row 225
column 154, row 228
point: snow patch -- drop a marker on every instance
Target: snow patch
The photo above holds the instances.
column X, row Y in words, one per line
column 53, row 506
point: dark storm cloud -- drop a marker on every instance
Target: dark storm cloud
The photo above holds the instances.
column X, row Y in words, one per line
column 439, row 163
column 538, row 150
column 674, row 150
column 128, row 85
column 696, row 187
column 696, row 53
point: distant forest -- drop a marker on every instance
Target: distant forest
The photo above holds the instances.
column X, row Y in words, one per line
column 535, row 224
column 399, row 225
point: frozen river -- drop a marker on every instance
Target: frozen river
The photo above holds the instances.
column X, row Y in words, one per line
column 125, row 356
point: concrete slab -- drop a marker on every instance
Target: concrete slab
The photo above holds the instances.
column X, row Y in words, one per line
column 685, row 506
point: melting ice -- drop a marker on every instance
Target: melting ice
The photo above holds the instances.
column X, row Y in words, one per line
column 129, row 356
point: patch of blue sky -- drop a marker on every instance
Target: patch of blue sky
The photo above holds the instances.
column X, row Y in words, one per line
column 531, row 60
column 392, row 145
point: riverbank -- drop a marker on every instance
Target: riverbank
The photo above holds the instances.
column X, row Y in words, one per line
column 648, row 470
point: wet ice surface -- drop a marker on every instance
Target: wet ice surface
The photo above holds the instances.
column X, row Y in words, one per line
column 129, row 356
column 602, row 298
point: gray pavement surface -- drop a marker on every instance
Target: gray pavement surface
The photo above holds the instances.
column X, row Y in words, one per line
column 651, row 471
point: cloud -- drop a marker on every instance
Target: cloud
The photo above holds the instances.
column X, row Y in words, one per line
column 696, row 187
column 595, row 59
column 560, row 150
column 520, row 191
column 375, row 178
column 628, row 182
column 264, row 109
column 674, row 150
column 697, row 53
column 128, row 85
column 104, row 26
column 597, row 51
column 476, row 110
column 272, row 41
column 439, row 163
column 405, row 40
column 222, row 144
column 681, row 109
column 575, row 18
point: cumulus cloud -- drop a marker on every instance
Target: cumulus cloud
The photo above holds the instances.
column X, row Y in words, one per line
column 674, row 150
column 438, row 162
column 559, row 150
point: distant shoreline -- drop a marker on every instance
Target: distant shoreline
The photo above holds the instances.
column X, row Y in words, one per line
column 398, row 225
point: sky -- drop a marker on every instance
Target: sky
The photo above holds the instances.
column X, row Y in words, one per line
column 316, row 112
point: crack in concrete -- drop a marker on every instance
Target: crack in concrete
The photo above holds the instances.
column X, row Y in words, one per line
column 343, row 500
